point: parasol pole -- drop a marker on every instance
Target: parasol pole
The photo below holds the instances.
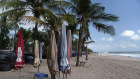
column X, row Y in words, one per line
column 63, row 75
column 66, row 76
column 55, row 76
column 19, row 73
column 59, row 74
column 38, row 68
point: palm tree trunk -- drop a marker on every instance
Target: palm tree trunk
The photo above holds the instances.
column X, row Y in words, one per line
column 79, row 45
column 35, row 32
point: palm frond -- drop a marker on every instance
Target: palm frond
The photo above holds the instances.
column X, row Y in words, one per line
column 18, row 14
column 105, row 17
column 86, row 33
column 46, row 12
column 10, row 12
column 104, row 28
column 88, row 42
column 58, row 7
column 96, row 9
column 14, row 4
column 74, row 9
column 63, row 4
column 31, row 19
column 71, row 19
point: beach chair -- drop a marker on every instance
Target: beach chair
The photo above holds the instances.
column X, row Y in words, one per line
column 40, row 75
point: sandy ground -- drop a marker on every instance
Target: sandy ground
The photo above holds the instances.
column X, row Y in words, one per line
column 97, row 67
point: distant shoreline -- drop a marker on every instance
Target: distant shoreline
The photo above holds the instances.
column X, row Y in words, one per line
column 125, row 54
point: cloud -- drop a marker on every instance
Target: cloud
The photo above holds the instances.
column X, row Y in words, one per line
column 119, row 46
column 124, row 45
column 138, row 31
column 99, row 47
column 135, row 37
column 128, row 33
column 107, row 39
column 131, row 34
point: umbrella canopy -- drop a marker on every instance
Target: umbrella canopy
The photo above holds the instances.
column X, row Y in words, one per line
column 36, row 52
column 86, row 53
column 19, row 51
column 54, row 52
column 63, row 62
column 69, row 49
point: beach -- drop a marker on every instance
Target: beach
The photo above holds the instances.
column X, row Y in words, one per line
column 96, row 67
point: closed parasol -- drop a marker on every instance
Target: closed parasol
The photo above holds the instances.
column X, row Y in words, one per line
column 63, row 62
column 36, row 54
column 19, row 51
column 69, row 50
column 40, row 52
column 53, row 53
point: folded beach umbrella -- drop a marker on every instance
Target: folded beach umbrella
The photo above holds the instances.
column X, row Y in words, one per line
column 19, row 51
column 69, row 44
column 40, row 52
column 86, row 53
column 63, row 62
column 36, row 54
column 53, row 53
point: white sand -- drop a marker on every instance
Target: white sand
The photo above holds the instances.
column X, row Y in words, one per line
column 97, row 67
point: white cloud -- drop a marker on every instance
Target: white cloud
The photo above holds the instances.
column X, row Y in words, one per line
column 128, row 33
column 138, row 31
column 132, row 45
column 99, row 47
column 107, row 39
column 119, row 46
column 135, row 37
column 131, row 34
column 126, row 45
column 110, row 39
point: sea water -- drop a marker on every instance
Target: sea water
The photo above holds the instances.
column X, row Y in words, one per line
column 135, row 54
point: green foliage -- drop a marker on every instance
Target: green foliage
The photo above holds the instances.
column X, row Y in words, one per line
column 4, row 31
column 90, row 51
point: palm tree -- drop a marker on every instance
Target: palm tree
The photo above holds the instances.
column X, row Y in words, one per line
column 59, row 8
column 17, row 9
column 87, row 12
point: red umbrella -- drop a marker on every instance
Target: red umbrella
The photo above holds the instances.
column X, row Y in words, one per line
column 19, row 51
column 69, row 49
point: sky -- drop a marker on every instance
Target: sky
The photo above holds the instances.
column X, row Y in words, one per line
column 127, row 29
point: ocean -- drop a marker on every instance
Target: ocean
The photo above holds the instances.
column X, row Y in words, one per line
column 135, row 54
